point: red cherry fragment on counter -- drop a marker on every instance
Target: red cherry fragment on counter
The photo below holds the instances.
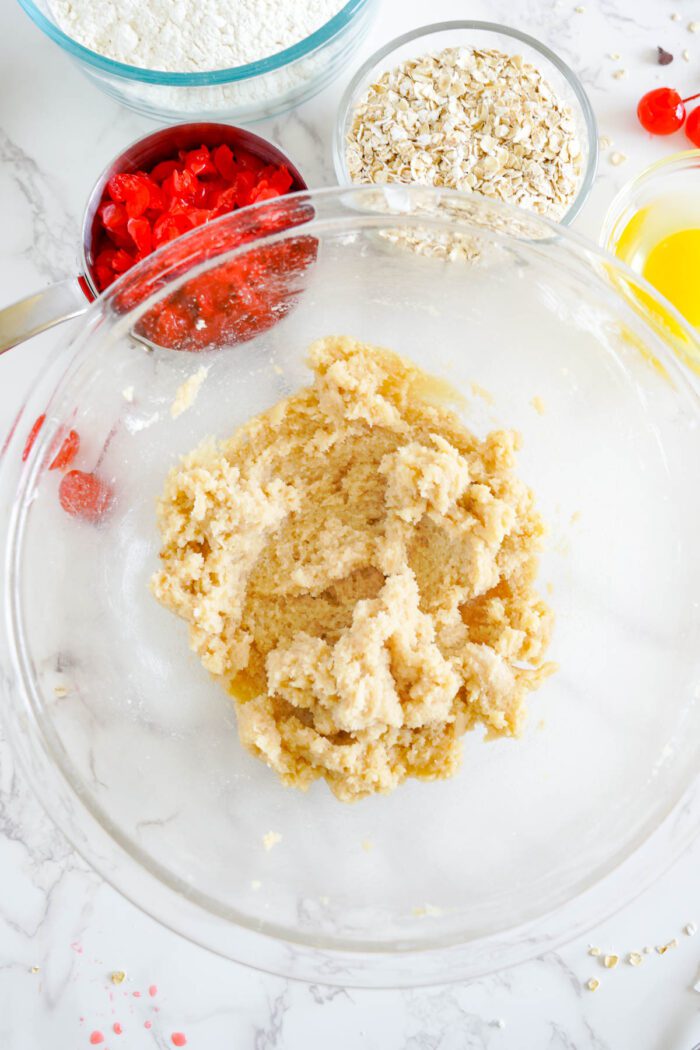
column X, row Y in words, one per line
column 67, row 452
column 31, row 436
column 84, row 495
column 178, row 1039
column 96, row 1038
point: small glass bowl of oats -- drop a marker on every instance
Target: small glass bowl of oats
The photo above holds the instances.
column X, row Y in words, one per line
column 473, row 106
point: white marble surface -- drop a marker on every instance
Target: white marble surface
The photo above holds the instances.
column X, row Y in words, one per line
column 56, row 133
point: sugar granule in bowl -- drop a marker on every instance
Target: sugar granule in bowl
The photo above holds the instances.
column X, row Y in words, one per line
column 469, row 119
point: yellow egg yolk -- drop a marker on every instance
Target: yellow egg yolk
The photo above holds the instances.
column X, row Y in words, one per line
column 673, row 267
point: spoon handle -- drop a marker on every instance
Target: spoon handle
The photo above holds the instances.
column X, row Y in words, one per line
column 26, row 318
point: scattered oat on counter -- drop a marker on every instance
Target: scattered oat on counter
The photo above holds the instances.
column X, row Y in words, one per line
column 580, row 9
column 128, row 393
column 620, row 74
column 690, row 929
column 675, row 16
column 33, row 969
column 617, row 158
column 592, row 984
column 610, row 961
column 663, row 948
column 60, row 691
column 694, row 27
column 271, row 838
column 605, row 142
column 615, row 56
column 647, row 949
column 186, row 393
column 538, row 405
column 594, row 951
column 635, row 959
column 117, row 976
column 685, row 55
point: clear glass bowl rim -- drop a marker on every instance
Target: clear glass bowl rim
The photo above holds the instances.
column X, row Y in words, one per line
column 145, row 885
column 322, row 36
column 350, row 94
column 685, row 159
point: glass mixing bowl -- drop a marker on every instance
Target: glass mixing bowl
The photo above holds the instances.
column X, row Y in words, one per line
column 132, row 747
column 470, row 34
column 243, row 93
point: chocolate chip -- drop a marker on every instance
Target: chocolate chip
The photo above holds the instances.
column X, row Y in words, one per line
column 664, row 58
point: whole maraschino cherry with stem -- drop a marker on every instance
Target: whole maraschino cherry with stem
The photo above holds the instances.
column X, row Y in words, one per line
column 662, row 111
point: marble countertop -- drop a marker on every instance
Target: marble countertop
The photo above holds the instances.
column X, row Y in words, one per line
column 62, row 930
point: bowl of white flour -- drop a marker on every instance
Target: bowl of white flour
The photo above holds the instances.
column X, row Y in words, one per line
column 172, row 59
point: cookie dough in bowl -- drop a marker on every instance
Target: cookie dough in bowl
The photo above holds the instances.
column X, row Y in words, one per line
column 358, row 569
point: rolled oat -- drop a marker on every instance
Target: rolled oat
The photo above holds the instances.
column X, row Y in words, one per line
column 472, row 120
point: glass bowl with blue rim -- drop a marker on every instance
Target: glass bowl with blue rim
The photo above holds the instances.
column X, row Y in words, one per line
column 243, row 93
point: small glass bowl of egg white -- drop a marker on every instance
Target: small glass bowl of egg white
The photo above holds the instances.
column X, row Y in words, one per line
column 473, row 106
column 178, row 61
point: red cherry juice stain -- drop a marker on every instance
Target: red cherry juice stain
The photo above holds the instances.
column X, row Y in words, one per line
column 96, row 1037
column 147, row 1024
column 77, row 947
column 136, row 995
column 178, row 1039
column 153, row 990
column 117, row 1028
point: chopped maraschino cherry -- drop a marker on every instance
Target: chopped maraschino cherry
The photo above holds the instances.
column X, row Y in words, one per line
column 31, row 436
column 692, row 127
column 84, row 495
column 662, row 111
column 67, row 452
column 142, row 210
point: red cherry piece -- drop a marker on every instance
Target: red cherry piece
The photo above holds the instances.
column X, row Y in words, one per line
column 67, row 452
column 661, row 111
column 140, row 232
column 692, row 127
column 162, row 170
column 199, row 162
column 31, row 436
column 112, row 215
column 170, row 226
column 224, row 162
column 84, row 495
